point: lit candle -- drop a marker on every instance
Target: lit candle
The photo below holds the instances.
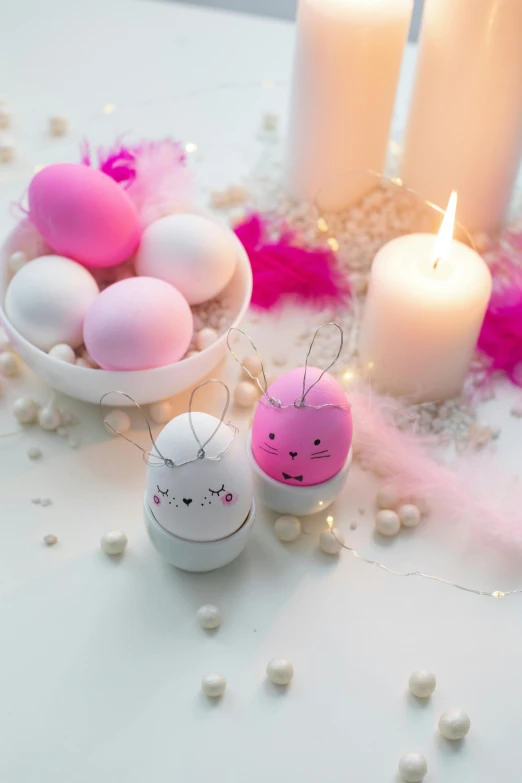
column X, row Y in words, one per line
column 426, row 302
column 346, row 70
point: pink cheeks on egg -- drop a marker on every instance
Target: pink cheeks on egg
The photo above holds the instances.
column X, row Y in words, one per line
column 302, row 446
column 84, row 214
column 138, row 324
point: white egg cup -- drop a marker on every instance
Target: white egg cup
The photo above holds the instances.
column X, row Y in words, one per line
column 197, row 556
column 297, row 501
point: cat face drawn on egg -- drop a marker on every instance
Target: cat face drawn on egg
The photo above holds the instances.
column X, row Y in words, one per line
column 302, row 446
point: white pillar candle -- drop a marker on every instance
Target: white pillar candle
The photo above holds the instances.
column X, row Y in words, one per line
column 346, row 71
column 425, row 306
column 465, row 125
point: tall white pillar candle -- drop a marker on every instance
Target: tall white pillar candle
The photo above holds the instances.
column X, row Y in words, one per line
column 465, row 125
column 423, row 315
column 346, row 71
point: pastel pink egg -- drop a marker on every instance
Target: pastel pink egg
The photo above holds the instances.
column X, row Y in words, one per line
column 303, row 446
column 138, row 324
column 84, row 214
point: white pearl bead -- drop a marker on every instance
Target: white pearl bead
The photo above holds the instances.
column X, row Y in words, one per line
column 25, row 410
column 213, row 685
column 49, row 419
column 119, row 421
column 63, row 353
column 253, row 365
column 58, row 125
column 209, row 616
column 331, row 541
column 9, row 365
column 422, row 683
column 413, row 767
column 280, row 671
column 287, row 528
column 33, row 452
column 454, row 724
column 114, row 542
column 81, row 361
column 161, row 412
column 50, row 539
column 387, row 497
column 17, row 261
column 7, row 150
column 205, row 338
column 387, row 523
column 409, row 515
column 245, row 394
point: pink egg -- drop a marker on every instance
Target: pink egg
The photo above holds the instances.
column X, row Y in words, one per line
column 84, row 214
column 302, row 446
column 137, row 324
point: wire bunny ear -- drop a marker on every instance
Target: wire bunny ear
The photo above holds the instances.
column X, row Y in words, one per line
column 300, row 402
column 201, row 451
column 263, row 387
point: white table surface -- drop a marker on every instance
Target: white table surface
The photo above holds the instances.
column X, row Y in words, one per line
column 101, row 659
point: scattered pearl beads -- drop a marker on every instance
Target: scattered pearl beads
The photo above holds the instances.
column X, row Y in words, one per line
column 245, row 394
column 119, row 421
column 454, row 724
column 49, row 419
column 50, row 539
column 213, row 685
column 409, row 515
column 387, row 497
column 209, row 616
column 114, row 542
column 387, row 523
column 253, row 365
column 205, row 338
column 25, row 410
column 58, row 125
column 161, row 412
column 287, row 528
column 331, row 541
column 422, row 683
column 9, row 364
column 280, row 671
column 33, row 452
column 17, row 261
column 413, row 767
column 64, row 353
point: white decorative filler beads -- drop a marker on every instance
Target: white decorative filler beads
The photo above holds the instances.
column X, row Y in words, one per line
column 58, row 125
column 9, row 365
column 161, row 412
column 209, row 616
column 409, row 515
column 245, row 394
column 64, row 353
column 253, row 365
column 50, row 539
column 33, row 452
column 49, row 419
column 118, row 420
column 81, row 361
column 454, row 724
column 205, row 338
column 422, row 683
column 114, row 542
column 25, row 410
column 280, row 671
column 213, row 685
column 287, row 528
column 7, row 149
column 331, row 541
column 17, row 261
column 387, row 523
column 413, row 767
column 387, row 497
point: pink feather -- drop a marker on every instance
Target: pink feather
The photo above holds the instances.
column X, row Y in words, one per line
column 501, row 334
column 281, row 268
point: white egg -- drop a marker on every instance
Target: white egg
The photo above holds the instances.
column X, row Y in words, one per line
column 204, row 499
column 194, row 254
column 47, row 301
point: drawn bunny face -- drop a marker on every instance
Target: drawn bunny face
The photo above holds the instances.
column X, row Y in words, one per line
column 302, row 446
column 206, row 499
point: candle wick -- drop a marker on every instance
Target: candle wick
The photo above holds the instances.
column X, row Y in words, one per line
column 436, row 263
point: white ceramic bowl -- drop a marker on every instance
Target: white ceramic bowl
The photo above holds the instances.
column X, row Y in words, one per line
column 197, row 556
column 297, row 501
column 144, row 386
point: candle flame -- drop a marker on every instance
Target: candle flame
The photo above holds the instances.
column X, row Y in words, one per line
column 330, row 521
column 442, row 246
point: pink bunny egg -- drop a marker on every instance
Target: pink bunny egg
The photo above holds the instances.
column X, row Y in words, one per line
column 84, row 214
column 302, row 446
